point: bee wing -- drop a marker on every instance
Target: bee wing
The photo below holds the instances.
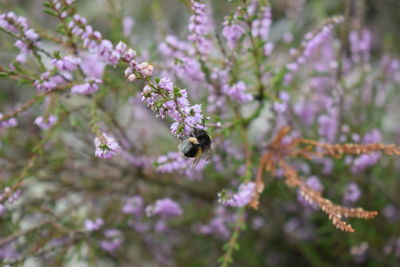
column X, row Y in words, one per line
column 197, row 158
column 207, row 154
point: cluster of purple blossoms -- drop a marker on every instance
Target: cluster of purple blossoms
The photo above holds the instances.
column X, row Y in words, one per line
column 67, row 63
column 45, row 123
column 200, row 27
column 93, row 225
column 133, row 205
column 312, row 40
column 241, row 198
column 11, row 122
column 104, row 48
column 182, row 61
column 362, row 162
column 281, row 106
column 232, row 33
column 219, row 224
column 165, row 208
column 237, row 92
column 17, row 25
column 328, row 125
column 113, row 240
column 90, row 86
column 167, row 99
column 47, row 82
column 260, row 27
column 106, row 146
column 352, row 193
column 174, row 162
column 360, row 44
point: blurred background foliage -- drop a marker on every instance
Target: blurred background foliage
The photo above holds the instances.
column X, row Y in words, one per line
column 312, row 240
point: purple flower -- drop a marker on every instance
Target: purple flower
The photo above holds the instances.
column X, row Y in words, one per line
column 241, row 198
column 93, row 225
column 133, row 205
column 145, row 69
column 2, row 210
column 18, row 26
column 11, row 122
column 67, row 63
column 106, row 147
column 238, row 92
column 360, row 43
column 47, row 83
column 92, row 66
column 232, row 33
column 166, row 84
column 364, row 161
column 45, row 124
column 164, row 207
column 113, row 240
column 281, row 107
column 89, row 87
column 267, row 49
column 127, row 25
column 200, row 27
column 260, row 27
column 352, row 193
column 328, row 126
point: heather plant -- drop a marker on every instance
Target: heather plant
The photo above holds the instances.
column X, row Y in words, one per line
column 299, row 100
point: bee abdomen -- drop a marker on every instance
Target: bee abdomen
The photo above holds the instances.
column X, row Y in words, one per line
column 192, row 152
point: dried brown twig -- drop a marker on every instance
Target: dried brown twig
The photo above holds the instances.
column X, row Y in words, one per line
column 279, row 153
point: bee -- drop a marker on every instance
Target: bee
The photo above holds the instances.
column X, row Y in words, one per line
column 197, row 146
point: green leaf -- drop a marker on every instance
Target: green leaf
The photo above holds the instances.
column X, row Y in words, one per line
column 50, row 12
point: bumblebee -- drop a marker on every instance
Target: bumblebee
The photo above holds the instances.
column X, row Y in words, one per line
column 197, row 146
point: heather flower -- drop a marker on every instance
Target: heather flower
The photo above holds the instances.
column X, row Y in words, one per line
column 328, row 126
column 127, row 25
column 260, row 27
column 67, row 63
column 166, row 84
column 113, row 241
column 218, row 224
column 281, row 107
column 133, row 205
column 92, row 66
column 93, row 225
column 352, row 193
column 239, row 199
column 232, row 33
column 90, row 86
column 18, row 26
column 238, row 92
column 47, row 83
column 45, row 123
column 267, row 49
column 2, row 210
column 360, row 44
column 200, row 27
column 359, row 252
column 106, row 146
column 165, row 208
column 11, row 122
column 145, row 69
column 311, row 42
